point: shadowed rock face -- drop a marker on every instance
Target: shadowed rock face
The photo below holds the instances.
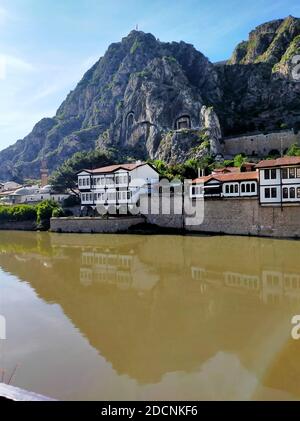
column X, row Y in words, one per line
column 142, row 90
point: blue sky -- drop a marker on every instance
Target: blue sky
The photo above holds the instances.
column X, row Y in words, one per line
column 47, row 45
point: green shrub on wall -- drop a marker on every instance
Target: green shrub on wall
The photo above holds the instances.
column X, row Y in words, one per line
column 58, row 213
column 18, row 213
column 44, row 213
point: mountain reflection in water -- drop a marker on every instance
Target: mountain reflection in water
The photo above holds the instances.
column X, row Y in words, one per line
column 150, row 317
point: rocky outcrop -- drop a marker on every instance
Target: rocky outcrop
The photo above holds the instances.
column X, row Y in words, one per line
column 128, row 100
column 150, row 99
column 268, row 42
column 211, row 124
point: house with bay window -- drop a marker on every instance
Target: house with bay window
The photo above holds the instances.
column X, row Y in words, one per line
column 279, row 181
column 231, row 185
column 116, row 185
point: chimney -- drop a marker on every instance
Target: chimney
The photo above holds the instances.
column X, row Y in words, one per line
column 201, row 172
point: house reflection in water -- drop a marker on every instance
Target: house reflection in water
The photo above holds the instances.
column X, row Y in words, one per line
column 110, row 267
column 271, row 287
column 163, row 307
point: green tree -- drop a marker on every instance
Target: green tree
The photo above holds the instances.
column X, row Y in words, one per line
column 65, row 177
column 44, row 213
column 239, row 160
column 294, row 150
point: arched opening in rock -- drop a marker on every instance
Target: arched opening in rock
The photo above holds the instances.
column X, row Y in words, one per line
column 129, row 120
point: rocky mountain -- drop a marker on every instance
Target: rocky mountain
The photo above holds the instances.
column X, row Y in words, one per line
column 153, row 99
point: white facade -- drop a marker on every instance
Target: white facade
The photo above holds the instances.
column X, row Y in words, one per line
column 35, row 194
column 240, row 189
column 280, row 185
column 215, row 186
column 120, row 185
column 8, row 186
column 197, row 191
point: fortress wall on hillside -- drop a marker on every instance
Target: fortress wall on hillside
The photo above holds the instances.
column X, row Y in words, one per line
column 260, row 145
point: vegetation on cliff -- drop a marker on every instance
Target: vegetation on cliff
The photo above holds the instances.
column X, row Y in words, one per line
column 132, row 97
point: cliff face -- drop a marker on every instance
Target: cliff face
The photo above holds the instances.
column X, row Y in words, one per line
column 260, row 82
column 127, row 100
column 268, row 42
column 137, row 96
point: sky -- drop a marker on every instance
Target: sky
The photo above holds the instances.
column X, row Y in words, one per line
column 47, row 45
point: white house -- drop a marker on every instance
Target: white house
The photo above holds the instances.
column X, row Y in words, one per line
column 279, row 181
column 231, row 185
column 34, row 194
column 9, row 186
column 116, row 185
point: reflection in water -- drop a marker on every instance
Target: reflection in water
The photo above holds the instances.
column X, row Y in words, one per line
column 151, row 317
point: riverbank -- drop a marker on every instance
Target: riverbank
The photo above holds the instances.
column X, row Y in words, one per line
column 18, row 226
column 243, row 216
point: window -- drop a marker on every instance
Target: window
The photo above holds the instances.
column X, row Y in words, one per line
column 129, row 195
column 227, row 189
column 267, row 193
column 285, row 173
column 285, row 193
column 248, row 188
column 292, row 193
column 253, row 189
column 298, row 192
column 292, row 172
column 267, row 174
column 298, row 172
column 273, row 192
column 83, row 182
column 236, row 188
column 273, row 174
column 80, row 182
column 243, row 188
column 231, row 189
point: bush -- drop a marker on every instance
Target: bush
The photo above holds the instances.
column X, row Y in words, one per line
column 58, row 213
column 71, row 201
column 294, row 150
column 44, row 213
column 18, row 213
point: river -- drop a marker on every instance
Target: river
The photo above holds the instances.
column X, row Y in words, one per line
column 133, row 317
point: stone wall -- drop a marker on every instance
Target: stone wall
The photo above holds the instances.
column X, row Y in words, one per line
column 155, row 213
column 94, row 225
column 260, row 145
column 18, row 226
column 245, row 216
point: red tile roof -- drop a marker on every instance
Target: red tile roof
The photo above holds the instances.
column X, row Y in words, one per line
column 242, row 176
column 280, row 162
column 113, row 168
column 226, row 170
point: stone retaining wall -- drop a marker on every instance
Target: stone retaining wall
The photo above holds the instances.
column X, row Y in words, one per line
column 247, row 217
column 94, row 225
column 18, row 226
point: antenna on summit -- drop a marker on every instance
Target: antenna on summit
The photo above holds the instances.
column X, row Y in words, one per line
column 136, row 27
